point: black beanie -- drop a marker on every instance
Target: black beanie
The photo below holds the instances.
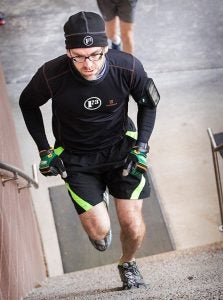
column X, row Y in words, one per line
column 84, row 30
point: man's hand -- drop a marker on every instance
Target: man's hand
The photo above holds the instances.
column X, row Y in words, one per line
column 51, row 164
column 136, row 163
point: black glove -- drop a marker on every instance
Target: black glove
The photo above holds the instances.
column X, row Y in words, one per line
column 51, row 164
column 136, row 162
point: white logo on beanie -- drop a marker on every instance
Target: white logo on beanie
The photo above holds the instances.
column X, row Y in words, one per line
column 88, row 40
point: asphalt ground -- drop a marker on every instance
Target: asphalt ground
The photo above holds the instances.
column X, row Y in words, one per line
column 180, row 45
column 192, row 274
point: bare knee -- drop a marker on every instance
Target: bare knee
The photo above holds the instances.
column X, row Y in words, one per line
column 134, row 229
column 96, row 222
column 97, row 230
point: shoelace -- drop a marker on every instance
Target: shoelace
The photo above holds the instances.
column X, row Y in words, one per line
column 131, row 272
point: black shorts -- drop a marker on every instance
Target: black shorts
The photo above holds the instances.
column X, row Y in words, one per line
column 90, row 174
column 124, row 9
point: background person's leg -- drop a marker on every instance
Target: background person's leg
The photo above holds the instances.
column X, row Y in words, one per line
column 126, row 30
column 108, row 11
column 112, row 33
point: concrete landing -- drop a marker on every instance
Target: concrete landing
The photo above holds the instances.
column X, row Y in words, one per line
column 180, row 44
column 192, row 274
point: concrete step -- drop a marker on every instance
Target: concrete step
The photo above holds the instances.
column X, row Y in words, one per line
column 195, row 273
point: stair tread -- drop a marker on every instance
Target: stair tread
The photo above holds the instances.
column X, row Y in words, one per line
column 194, row 273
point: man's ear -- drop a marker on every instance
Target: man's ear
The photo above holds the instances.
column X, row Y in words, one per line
column 68, row 53
column 105, row 49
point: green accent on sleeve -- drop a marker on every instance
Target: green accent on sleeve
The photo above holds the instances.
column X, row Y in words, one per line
column 81, row 202
column 58, row 150
column 137, row 191
column 132, row 134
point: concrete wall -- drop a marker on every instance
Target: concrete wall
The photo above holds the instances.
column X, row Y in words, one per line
column 21, row 257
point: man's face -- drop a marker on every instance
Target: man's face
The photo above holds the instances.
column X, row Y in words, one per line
column 88, row 61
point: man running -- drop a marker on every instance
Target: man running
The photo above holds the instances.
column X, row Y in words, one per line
column 97, row 147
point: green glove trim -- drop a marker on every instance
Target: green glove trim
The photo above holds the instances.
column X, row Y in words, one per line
column 51, row 164
column 46, row 157
column 136, row 163
column 141, row 157
column 59, row 150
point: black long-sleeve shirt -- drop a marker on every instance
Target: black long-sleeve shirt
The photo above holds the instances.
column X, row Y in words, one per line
column 87, row 115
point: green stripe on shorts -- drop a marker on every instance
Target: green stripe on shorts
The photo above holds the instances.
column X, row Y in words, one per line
column 132, row 134
column 138, row 190
column 81, row 202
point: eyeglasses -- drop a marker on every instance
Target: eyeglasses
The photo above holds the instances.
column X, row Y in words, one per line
column 92, row 57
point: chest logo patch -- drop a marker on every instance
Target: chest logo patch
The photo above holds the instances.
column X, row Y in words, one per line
column 92, row 103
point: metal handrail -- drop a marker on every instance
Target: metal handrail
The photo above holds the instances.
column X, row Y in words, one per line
column 215, row 148
column 18, row 172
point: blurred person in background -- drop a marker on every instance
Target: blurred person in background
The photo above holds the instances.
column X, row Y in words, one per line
column 119, row 18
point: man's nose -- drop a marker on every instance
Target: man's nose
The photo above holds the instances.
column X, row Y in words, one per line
column 87, row 61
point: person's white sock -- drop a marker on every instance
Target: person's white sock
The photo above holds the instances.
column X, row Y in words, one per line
column 116, row 40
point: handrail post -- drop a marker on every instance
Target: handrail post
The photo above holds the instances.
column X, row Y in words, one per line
column 215, row 148
column 21, row 187
column 17, row 172
column 219, row 187
column 5, row 179
column 34, row 171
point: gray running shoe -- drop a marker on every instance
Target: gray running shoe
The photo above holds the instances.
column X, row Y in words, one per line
column 102, row 245
column 130, row 275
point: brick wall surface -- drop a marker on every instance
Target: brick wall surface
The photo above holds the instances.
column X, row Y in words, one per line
column 21, row 257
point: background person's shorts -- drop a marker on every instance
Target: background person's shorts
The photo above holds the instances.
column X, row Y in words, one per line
column 90, row 174
column 124, row 9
